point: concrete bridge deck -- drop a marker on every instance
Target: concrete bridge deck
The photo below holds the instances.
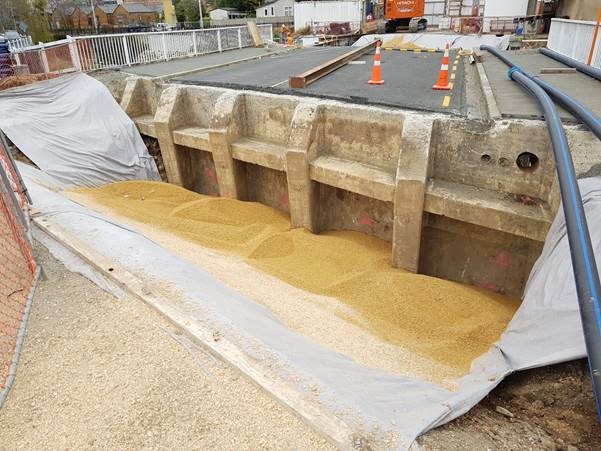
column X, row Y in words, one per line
column 408, row 76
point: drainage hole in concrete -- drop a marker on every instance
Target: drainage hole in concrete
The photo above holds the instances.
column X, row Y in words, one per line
column 527, row 161
column 485, row 158
column 111, row 269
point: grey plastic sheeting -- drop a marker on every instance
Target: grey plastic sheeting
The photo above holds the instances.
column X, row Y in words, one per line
column 438, row 40
column 545, row 330
column 73, row 130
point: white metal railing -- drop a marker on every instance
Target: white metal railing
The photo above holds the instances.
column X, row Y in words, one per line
column 108, row 51
column 573, row 38
column 19, row 43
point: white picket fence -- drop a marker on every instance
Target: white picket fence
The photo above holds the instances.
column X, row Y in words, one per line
column 20, row 43
column 573, row 38
column 110, row 51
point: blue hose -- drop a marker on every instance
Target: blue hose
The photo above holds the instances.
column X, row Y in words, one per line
column 580, row 67
column 584, row 266
column 588, row 118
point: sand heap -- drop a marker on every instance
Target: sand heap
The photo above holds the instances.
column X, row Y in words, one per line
column 449, row 322
column 399, row 43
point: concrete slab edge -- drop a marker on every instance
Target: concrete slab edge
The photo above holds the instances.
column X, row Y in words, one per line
column 332, row 428
column 164, row 78
column 491, row 104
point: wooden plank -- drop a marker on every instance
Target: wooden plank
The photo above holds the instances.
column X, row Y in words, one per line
column 558, row 70
column 254, row 32
column 332, row 428
column 306, row 78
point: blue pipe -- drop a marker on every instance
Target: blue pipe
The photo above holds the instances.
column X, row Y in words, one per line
column 590, row 119
column 584, row 266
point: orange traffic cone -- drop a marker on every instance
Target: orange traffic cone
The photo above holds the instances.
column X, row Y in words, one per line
column 376, row 72
column 443, row 75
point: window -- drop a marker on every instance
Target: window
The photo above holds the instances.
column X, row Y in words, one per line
column 287, row 10
column 265, row 11
column 272, row 11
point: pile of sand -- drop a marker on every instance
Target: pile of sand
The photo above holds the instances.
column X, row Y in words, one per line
column 399, row 43
column 448, row 322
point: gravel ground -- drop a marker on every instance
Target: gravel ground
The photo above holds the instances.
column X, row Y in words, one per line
column 97, row 372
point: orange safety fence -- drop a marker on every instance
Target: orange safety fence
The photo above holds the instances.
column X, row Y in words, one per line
column 18, row 270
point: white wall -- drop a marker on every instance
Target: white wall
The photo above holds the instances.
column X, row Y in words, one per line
column 218, row 14
column 309, row 12
column 278, row 9
column 505, row 8
column 433, row 11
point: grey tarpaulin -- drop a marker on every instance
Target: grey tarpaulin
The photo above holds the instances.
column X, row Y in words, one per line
column 74, row 131
column 545, row 330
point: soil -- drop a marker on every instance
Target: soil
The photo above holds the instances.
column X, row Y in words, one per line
column 553, row 408
column 98, row 372
column 152, row 144
column 101, row 373
column 19, row 80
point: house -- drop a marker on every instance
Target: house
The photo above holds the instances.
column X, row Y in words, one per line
column 78, row 17
column 104, row 14
column 276, row 8
column 226, row 13
column 108, row 15
column 142, row 14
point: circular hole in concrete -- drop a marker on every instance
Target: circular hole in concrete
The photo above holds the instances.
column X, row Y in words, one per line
column 485, row 158
column 110, row 269
column 527, row 161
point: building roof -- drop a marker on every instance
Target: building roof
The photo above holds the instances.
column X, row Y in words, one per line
column 108, row 8
column 267, row 3
column 138, row 8
column 226, row 8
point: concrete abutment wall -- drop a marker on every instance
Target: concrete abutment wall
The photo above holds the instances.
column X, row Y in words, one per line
column 457, row 199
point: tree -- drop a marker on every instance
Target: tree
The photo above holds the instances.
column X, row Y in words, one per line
column 186, row 10
column 30, row 12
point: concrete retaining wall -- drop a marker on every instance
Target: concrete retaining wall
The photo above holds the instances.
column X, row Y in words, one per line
column 457, row 199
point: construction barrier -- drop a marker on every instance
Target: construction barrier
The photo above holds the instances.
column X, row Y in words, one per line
column 443, row 75
column 376, row 73
column 18, row 269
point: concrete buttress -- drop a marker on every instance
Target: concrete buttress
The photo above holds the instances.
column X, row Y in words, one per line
column 303, row 192
column 225, row 128
column 411, row 178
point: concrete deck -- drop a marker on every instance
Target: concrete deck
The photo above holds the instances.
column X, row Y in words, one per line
column 408, row 78
column 268, row 72
column 200, row 62
column 512, row 100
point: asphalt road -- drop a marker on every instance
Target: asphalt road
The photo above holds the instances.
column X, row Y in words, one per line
column 408, row 78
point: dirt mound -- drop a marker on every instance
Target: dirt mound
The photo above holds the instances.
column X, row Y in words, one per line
column 20, row 80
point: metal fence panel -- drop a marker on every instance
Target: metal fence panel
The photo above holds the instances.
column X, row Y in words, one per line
column 110, row 51
column 18, row 271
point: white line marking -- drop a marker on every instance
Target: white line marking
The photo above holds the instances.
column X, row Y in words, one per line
column 278, row 84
